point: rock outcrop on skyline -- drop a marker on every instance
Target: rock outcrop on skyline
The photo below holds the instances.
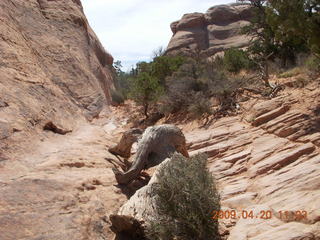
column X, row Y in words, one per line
column 53, row 69
column 215, row 31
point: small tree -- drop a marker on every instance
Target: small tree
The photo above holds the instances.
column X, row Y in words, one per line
column 164, row 66
column 281, row 29
column 117, row 73
column 236, row 59
column 145, row 89
column 262, row 46
column 186, row 196
column 296, row 24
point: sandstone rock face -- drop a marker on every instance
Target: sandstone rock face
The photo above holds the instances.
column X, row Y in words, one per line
column 63, row 187
column 53, row 68
column 213, row 32
column 55, row 75
column 269, row 162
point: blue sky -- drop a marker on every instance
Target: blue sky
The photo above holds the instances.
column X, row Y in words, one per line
column 132, row 29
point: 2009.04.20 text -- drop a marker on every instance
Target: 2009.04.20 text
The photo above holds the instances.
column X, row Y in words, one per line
column 263, row 214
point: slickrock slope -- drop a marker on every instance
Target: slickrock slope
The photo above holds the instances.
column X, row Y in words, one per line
column 215, row 31
column 55, row 76
column 265, row 160
column 53, row 69
column 66, row 190
column 273, row 164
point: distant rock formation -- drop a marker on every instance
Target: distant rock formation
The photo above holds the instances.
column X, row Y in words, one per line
column 215, row 31
column 53, row 67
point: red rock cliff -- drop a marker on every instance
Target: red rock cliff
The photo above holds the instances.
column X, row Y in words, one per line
column 52, row 66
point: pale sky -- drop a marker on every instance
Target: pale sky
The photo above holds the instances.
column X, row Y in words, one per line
column 132, row 29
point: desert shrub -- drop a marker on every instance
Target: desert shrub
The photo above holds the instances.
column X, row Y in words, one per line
column 164, row 66
column 190, row 80
column 199, row 106
column 186, row 196
column 291, row 73
column 166, row 107
column 145, row 89
column 180, row 89
column 146, row 82
column 176, row 97
column 236, row 59
column 190, row 88
column 117, row 97
column 223, row 84
column 313, row 64
column 218, row 62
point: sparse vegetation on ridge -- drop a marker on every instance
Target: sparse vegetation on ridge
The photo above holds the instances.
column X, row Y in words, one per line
column 190, row 84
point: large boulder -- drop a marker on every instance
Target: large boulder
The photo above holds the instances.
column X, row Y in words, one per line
column 156, row 144
column 139, row 210
column 215, row 31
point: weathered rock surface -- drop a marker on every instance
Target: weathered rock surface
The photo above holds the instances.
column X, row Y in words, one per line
column 140, row 207
column 53, row 68
column 270, row 161
column 123, row 148
column 258, row 169
column 215, row 31
column 66, row 183
column 53, row 186
column 63, row 188
column 54, row 77
column 156, row 144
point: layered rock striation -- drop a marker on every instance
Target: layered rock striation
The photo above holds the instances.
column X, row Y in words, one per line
column 265, row 161
column 215, row 31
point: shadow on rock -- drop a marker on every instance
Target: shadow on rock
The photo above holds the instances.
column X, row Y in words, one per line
column 127, row 228
column 135, row 185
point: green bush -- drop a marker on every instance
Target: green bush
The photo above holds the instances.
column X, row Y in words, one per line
column 164, row 66
column 199, row 106
column 145, row 89
column 190, row 88
column 186, row 196
column 235, row 60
